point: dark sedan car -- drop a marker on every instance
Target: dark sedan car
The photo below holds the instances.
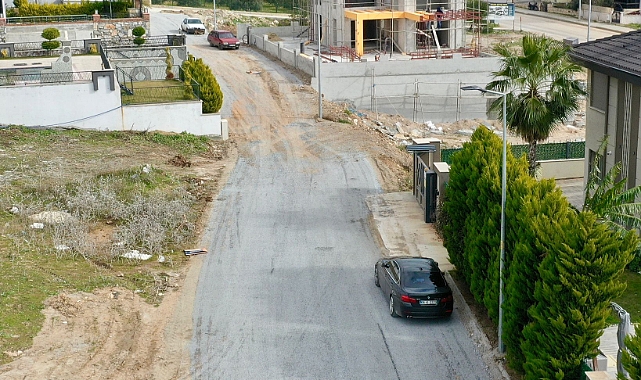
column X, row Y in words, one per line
column 414, row 286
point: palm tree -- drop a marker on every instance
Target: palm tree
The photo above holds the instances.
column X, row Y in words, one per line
column 538, row 78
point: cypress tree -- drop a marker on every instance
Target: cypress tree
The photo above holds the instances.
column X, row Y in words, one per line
column 530, row 198
column 579, row 277
column 210, row 92
column 630, row 358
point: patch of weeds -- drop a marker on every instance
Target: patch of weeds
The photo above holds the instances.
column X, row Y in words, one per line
column 630, row 300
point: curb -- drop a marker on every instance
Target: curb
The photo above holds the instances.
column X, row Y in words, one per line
column 489, row 354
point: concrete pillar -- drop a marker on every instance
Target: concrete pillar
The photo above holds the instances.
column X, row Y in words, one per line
column 95, row 17
column 359, row 37
column 224, row 129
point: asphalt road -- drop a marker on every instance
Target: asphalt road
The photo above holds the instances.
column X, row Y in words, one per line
column 287, row 290
column 549, row 25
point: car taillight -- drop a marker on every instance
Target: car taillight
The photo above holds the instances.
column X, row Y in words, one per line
column 447, row 299
column 408, row 299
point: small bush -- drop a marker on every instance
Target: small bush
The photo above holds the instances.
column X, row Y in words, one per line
column 138, row 32
column 210, row 92
column 50, row 34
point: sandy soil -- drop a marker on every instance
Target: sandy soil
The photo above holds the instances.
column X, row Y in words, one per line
column 113, row 333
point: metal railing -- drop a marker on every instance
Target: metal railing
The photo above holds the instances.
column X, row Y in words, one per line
column 166, row 40
column 48, row 19
column 44, row 77
column 550, row 151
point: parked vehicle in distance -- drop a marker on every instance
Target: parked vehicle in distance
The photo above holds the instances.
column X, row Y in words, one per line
column 223, row 39
column 192, row 26
column 414, row 286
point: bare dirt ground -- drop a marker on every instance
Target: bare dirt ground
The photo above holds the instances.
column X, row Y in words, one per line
column 113, row 333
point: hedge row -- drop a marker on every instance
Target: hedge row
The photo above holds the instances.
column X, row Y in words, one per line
column 25, row 9
column 562, row 267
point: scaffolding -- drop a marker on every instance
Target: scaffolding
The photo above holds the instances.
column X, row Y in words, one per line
column 429, row 29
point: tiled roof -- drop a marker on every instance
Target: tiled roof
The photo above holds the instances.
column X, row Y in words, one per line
column 618, row 55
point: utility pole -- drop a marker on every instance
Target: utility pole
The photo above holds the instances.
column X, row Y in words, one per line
column 320, row 59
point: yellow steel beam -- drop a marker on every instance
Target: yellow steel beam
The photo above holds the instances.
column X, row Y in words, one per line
column 387, row 15
column 359, row 16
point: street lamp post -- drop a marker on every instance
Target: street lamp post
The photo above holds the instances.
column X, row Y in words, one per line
column 320, row 60
column 503, row 196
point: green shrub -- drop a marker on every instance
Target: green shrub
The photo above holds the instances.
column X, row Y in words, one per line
column 50, row 34
column 138, row 32
column 25, row 9
column 210, row 92
column 580, row 275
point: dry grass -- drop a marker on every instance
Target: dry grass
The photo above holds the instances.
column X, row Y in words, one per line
column 97, row 195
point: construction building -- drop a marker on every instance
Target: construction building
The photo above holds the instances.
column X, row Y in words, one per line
column 418, row 28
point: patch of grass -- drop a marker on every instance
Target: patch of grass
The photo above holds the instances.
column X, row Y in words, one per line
column 634, row 26
column 119, row 188
column 157, row 91
column 631, row 298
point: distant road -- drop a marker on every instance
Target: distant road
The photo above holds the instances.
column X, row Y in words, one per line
column 559, row 27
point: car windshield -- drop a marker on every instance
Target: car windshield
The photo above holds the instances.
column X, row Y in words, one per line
column 423, row 279
column 193, row 21
column 226, row 35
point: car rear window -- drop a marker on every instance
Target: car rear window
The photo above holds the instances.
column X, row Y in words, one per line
column 226, row 35
column 423, row 279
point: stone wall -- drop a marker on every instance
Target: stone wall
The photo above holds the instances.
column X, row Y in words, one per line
column 118, row 29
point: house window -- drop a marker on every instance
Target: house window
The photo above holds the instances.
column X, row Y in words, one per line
column 599, row 91
column 601, row 163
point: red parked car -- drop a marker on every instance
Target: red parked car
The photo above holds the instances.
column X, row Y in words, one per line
column 223, row 39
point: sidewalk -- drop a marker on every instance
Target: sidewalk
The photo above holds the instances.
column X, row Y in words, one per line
column 398, row 220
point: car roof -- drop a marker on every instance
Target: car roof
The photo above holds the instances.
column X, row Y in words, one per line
column 193, row 18
column 417, row 263
column 222, row 30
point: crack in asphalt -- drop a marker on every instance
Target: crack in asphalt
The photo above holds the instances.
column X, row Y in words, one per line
column 389, row 353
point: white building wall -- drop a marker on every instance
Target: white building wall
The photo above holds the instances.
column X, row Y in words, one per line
column 78, row 105
column 68, row 104
column 170, row 117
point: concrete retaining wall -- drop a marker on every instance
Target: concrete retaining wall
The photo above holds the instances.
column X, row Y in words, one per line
column 603, row 14
column 395, row 85
column 77, row 104
column 421, row 90
column 86, row 108
column 561, row 169
column 291, row 31
column 170, row 117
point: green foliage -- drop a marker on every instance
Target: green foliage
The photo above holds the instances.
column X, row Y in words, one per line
column 189, row 3
column 25, row 9
column 139, row 41
column 50, row 34
column 538, row 77
column 473, row 208
column 138, row 31
column 210, row 92
column 607, row 197
column 631, row 356
column 580, row 275
column 169, row 62
column 527, row 199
